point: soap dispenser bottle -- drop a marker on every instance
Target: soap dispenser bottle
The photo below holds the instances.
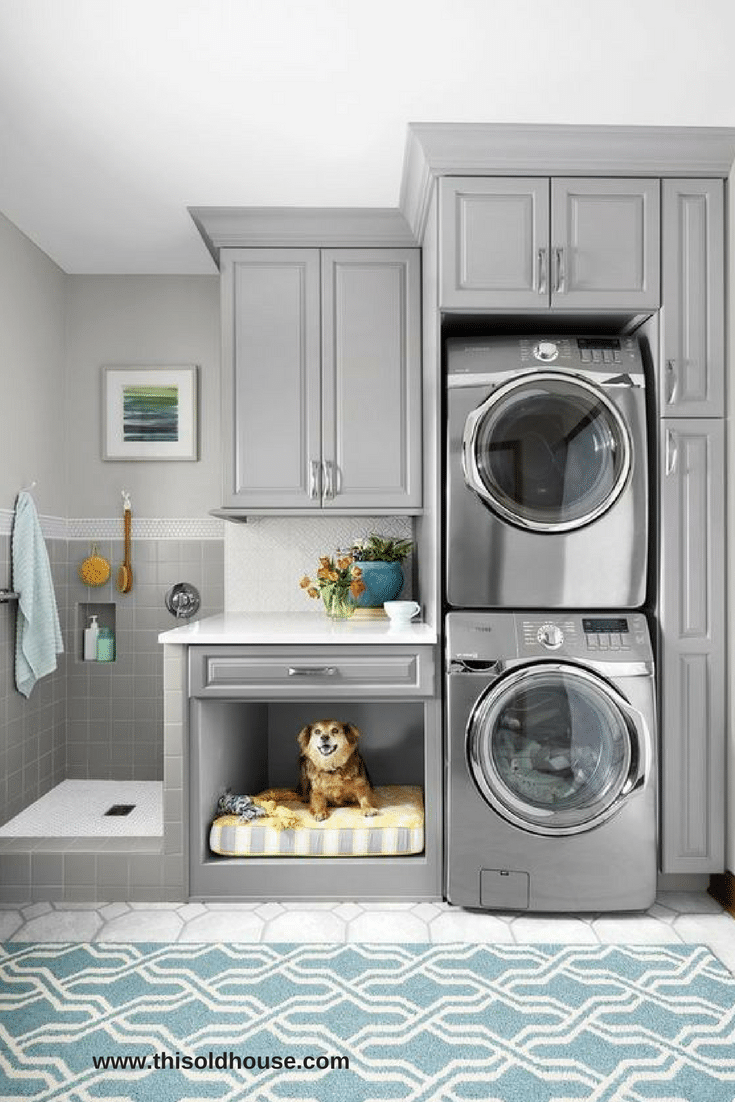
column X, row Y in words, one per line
column 90, row 640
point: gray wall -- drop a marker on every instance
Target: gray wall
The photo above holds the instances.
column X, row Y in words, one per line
column 32, row 293
column 140, row 320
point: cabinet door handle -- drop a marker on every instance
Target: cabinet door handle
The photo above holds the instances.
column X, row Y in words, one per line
column 542, row 271
column 328, row 478
column 314, row 478
column 560, row 275
column 672, row 381
column 672, row 451
column 312, row 671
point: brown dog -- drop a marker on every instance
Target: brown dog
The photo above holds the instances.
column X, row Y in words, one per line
column 331, row 768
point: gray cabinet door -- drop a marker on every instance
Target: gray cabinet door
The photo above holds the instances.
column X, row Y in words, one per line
column 605, row 244
column 693, row 352
column 371, row 378
column 271, row 380
column 692, row 655
column 494, row 243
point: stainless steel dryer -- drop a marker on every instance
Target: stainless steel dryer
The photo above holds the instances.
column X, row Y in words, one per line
column 551, row 768
column 547, row 475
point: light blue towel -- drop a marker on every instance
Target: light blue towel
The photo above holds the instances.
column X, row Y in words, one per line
column 38, row 635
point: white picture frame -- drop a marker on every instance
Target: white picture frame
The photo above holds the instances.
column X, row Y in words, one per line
column 150, row 413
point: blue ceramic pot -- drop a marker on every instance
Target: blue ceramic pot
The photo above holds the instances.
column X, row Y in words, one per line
column 383, row 582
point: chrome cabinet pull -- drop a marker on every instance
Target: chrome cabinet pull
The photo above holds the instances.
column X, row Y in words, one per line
column 542, row 271
column 313, row 478
column 672, row 381
column 672, row 451
column 328, row 478
column 312, row 671
column 560, row 275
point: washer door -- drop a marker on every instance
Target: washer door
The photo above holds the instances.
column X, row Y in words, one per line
column 547, row 452
column 554, row 748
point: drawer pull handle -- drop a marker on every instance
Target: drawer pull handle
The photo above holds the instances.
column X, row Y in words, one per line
column 312, row 671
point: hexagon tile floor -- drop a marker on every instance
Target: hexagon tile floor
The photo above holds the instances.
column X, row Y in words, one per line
column 675, row 917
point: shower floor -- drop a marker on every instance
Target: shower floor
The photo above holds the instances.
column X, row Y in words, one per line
column 77, row 809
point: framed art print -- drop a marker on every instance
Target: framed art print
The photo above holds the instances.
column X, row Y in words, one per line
column 149, row 413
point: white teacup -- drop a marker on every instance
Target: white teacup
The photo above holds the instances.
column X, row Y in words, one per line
column 402, row 612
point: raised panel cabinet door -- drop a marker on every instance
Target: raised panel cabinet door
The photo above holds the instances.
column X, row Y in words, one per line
column 605, row 244
column 371, row 378
column 693, row 346
column 271, row 378
column 494, row 243
column 692, row 652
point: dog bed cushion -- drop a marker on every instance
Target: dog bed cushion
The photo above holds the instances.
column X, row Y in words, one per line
column 398, row 829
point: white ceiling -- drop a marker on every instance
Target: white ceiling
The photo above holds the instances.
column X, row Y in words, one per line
column 117, row 115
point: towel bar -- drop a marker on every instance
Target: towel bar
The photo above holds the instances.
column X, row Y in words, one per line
column 7, row 595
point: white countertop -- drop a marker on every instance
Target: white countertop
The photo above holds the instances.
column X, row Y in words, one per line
column 295, row 627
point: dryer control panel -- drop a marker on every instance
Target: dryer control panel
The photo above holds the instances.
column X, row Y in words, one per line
column 614, row 359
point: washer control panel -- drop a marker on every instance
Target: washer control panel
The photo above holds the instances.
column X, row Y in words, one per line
column 477, row 640
column 585, row 636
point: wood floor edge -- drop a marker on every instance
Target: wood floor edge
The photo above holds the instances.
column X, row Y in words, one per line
column 722, row 888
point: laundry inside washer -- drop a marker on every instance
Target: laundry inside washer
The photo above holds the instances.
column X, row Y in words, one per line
column 551, row 787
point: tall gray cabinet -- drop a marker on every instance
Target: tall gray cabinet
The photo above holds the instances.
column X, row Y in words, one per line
column 322, row 387
column 582, row 222
column 692, row 600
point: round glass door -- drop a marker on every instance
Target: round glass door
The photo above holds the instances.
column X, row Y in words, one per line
column 551, row 748
column 546, row 452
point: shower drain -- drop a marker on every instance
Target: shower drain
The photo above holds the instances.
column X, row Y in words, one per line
column 120, row 809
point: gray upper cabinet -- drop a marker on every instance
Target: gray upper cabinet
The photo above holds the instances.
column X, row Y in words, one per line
column 564, row 243
column 494, row 242
column 692, row 614
column 371, row 378
column 322, row 402
column 693, row 330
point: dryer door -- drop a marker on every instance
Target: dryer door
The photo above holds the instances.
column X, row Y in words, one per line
column 555, row 749
column 547, row 452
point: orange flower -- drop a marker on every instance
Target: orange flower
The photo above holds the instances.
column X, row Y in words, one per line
column 344, row 563
column 357, row 588
column 332, row 575
column 323, row 573
column 313, row 591
column 356, row 572
column 325, row 561
column 305, row 582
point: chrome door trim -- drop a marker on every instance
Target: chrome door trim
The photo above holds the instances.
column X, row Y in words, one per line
column 487, row 380
column 469, row 460
column 636, row 773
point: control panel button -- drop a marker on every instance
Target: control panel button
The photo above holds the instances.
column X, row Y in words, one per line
column 551, row 636
column 546, row 351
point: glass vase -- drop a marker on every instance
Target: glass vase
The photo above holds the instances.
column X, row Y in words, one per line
column 339, row 604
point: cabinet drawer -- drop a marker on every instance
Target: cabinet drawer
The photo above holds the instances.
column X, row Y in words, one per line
column 316, row 672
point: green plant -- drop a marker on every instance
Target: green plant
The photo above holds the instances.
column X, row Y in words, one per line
column 381, row 549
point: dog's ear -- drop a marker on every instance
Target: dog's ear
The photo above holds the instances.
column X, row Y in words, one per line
column 352, row 733
column 303, row 737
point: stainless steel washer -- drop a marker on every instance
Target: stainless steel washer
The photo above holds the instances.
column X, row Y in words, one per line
column 551, row 766
column 547, row 474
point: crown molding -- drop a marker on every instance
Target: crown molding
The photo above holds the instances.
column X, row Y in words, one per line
column 301, row 227
column 490, row 149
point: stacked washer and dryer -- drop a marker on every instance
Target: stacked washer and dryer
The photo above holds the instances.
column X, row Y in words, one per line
column 551, row 732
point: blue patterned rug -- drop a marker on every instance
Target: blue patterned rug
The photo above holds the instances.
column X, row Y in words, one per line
column 349, row 1023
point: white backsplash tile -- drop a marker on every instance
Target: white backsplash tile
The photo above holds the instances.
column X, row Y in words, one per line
column 266, row 558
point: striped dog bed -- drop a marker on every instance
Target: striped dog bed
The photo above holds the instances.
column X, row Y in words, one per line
column 398, row 829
